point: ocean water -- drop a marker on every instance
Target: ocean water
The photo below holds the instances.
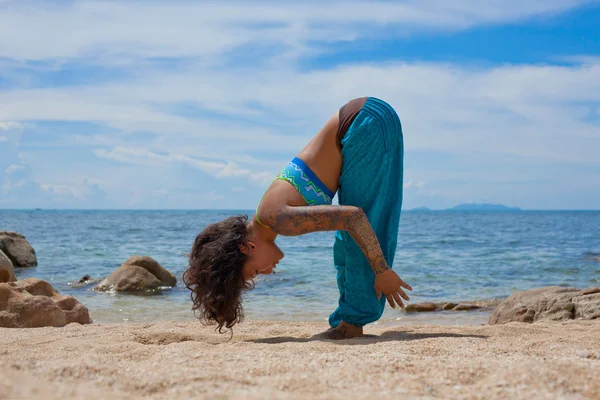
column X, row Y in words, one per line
column 443, row 255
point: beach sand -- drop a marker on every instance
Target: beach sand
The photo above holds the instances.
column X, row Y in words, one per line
column 184, row 360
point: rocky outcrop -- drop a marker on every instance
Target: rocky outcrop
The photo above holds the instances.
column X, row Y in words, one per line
column 138, row 274
column 550, row 303
column 7, row 272
column 17, row 249
column 33, row 303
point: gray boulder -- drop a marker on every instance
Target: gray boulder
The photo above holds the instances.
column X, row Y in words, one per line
column 17, row 249
column 7, row 272
column 550, row 303
column 138, row 274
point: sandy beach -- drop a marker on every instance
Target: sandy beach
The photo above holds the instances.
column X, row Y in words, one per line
column 291, row 361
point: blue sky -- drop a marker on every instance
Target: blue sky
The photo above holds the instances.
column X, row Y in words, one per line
column 181, row 104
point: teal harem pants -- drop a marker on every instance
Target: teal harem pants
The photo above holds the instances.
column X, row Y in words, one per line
column 372, row 179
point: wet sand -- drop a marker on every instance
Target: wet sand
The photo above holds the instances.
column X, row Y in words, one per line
column 286, row 360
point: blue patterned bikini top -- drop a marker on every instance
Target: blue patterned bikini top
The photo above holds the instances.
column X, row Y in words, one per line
column 310, row 187
column 306, row 183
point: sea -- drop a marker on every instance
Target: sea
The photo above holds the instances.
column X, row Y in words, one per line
column 446, row 256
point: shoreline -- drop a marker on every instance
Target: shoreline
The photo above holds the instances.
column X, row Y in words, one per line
column 147, row 313
column 268, row 359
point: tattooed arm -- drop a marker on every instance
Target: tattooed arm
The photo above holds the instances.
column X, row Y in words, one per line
column 292, row 221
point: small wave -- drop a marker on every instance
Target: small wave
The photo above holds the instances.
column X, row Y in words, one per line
column 133, row 230
column 455, row 241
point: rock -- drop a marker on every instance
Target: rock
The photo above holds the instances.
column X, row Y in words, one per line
column 86, row 280
column 138, row 273
column 587, row 304
column 551, row 303
column 591, row 290
column 583, row 353
column 33, row 303
column 466, row 307
column 449, row 306
column 421, row 307
column 17, row 249
column 7, row 272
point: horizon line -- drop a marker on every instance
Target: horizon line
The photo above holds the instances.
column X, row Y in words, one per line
column 415, row 209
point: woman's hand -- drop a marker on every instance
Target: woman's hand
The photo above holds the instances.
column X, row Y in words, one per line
column 389, row 283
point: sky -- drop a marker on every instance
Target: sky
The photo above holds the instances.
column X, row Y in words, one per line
column 170, row 104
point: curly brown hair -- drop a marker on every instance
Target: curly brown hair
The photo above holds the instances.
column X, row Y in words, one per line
column 215, row 273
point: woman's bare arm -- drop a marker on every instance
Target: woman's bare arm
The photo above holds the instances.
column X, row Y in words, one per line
column 293, row 221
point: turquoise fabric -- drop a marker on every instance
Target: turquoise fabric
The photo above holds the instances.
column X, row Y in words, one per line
column 371, row 178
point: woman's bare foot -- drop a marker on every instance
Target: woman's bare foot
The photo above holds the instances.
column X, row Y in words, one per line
column 344, row 331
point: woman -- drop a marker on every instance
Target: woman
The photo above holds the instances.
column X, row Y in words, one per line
column 358, row 153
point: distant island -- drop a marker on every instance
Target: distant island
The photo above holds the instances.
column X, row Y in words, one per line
column 421, row 209
column 483, row 207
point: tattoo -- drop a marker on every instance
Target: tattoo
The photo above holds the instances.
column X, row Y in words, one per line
column 361, row 231
column 292, row 221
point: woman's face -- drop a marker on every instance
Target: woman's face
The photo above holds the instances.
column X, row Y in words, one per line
column 263, row 256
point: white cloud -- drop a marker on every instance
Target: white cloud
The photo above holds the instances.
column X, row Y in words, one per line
column 212, row 195
column 221, row 169
column 125, row 29
column 415, row 185
column 84, row 190
column 243, row 120
column 14, row 169
column 444, row 107
column 523, row 110
column 4, row 126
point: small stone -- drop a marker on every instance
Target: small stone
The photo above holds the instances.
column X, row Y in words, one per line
column 465, row 307
column 583, row 353
column 421, row 307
